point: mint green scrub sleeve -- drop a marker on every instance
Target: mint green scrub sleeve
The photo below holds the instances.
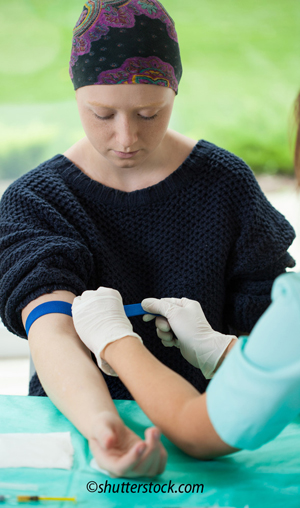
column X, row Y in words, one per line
column 256, row 391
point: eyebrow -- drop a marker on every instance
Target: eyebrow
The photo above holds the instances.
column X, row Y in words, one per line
column 153, row 105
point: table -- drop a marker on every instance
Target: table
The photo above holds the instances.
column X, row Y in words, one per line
column 266, row 478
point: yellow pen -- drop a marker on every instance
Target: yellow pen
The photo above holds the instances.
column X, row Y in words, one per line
column 25, row 499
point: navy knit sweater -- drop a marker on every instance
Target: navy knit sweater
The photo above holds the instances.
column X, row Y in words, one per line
column 206, row 232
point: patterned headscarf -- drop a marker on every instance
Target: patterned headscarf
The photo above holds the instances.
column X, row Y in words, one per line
column 129, row 42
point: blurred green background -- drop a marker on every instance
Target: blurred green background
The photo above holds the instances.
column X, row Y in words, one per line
column 241, row 76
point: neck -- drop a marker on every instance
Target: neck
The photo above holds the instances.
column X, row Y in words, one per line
column 155, row 168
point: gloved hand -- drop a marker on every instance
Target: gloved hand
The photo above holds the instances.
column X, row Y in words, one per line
column 199, row 344
column 99, row 319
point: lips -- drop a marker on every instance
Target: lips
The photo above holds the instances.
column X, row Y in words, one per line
column 126, row 155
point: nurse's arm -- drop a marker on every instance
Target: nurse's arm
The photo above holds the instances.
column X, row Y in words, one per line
column 170, row 402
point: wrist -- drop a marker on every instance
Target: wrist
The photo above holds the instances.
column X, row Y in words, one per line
column 99, row 419
column 231, row 344
column 120, row 349
column 111, row 349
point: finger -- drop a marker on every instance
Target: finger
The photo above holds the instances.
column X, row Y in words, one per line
column 150, row 461
column 155, row 306
column 163, row 459
column 125, row 465
column 108, row 292
column 87, row 294
column 153, row 464
column 168, row 344
column 159, row 458
column 148, row 317
column 162, row 324
column 165, row 336
column 129, row 463
column 175, row 301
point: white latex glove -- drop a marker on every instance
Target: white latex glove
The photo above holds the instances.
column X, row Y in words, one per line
column 199, row 344
column 99, row 319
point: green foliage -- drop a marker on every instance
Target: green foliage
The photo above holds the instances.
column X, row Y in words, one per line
column 241, row 75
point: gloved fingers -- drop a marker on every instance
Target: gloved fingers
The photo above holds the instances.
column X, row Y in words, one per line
column 171, row 343
column 168, row 343
column 165, row 336
column 195, row 307
column 148, row 317
column 163, row 324
column 176, row 301
column 160, row 322
column 76, row 301
column 102, row 293
column 107, row 292
column 156, row 306
column 176, row 342
column 110, row 297
column 85, row 295
column 149, row 304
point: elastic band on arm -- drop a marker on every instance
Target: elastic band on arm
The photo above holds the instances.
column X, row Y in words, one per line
column 59, row 307
column 54, row 307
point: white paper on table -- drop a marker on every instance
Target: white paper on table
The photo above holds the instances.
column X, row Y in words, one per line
column 51, row 450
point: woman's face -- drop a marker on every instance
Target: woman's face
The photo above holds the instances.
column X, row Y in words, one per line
column 125, row 123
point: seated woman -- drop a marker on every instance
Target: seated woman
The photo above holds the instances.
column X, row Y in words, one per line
column 138, row 207
column 252, row 397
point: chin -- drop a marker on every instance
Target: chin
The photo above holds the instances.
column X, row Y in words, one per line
column 127, row 164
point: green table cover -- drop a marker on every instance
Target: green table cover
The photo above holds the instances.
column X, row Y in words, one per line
column 268, row 477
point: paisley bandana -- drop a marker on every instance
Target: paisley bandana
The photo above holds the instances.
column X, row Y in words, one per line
column 125, row 42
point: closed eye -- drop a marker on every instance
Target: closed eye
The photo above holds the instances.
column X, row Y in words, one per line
column 148, row 117
column 103, row 117
column 111, row 116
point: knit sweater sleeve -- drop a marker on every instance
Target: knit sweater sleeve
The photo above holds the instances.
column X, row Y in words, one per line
column 40, row 252
column 259, row 254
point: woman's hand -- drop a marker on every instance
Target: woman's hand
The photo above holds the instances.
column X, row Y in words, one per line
column 119, row 451
column 199, row 344
column 99, row 319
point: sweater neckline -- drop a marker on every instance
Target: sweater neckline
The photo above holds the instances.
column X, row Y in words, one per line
column 98, row 192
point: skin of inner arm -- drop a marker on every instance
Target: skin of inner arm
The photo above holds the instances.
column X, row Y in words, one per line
column 65, row 368
column 171, row 403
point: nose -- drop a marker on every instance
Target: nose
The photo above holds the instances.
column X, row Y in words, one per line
column 126, row 133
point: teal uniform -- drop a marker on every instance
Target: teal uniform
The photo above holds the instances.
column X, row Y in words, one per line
column 256, row 391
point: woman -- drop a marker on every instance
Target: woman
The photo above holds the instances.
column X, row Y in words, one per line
column 138, row 207
column 252, row 397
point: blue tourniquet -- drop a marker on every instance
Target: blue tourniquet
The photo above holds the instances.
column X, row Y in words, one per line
column 55, row 307
column 60, row 307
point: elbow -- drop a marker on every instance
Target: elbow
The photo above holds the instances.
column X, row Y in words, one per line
column 206, row 452
column 204, row 447
column 198, row 451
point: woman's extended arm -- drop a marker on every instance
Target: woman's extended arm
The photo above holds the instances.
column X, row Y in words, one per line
column 77, row 388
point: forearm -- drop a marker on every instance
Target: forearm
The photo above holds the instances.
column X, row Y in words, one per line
column 71, row 379
column 65, row 368
column 172, row 404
